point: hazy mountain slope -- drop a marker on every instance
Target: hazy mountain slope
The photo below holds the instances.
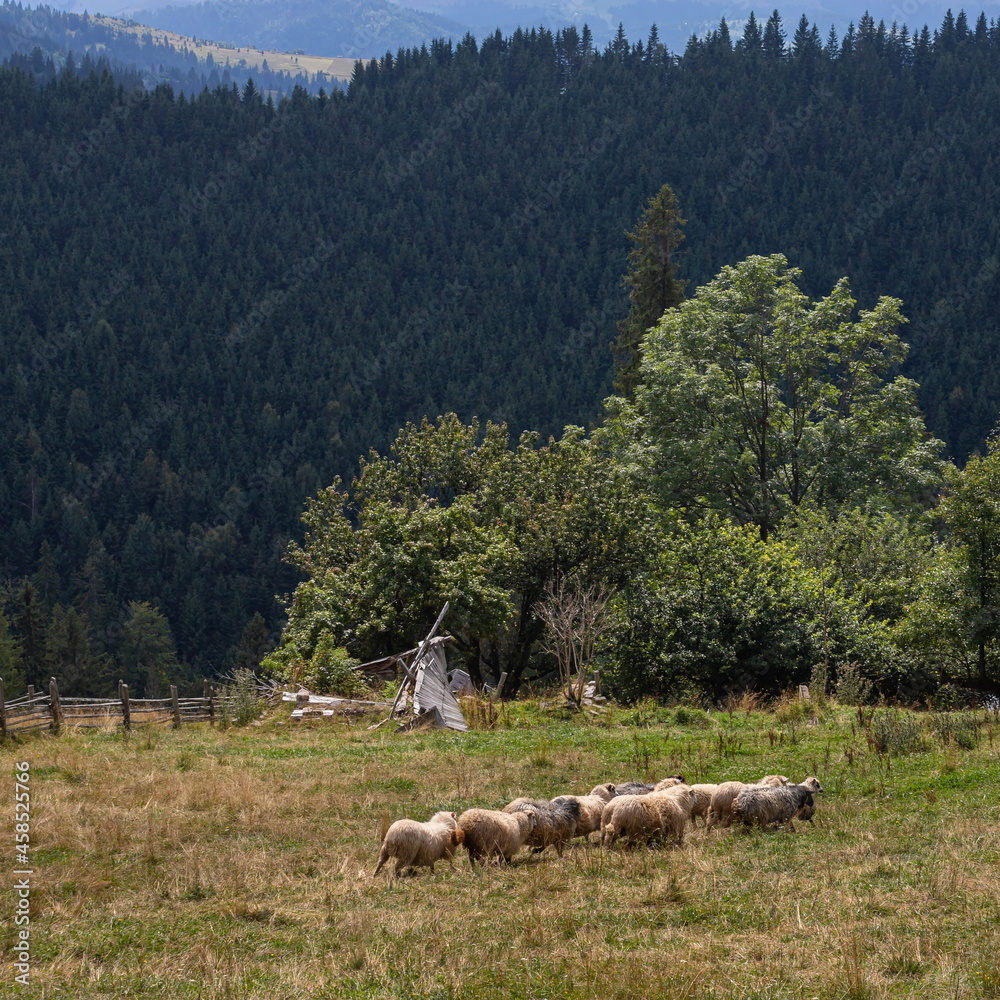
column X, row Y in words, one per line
column 335, row 27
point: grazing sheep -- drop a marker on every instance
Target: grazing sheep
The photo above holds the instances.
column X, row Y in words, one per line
column 807, row 811
column 636, row 818
column 702, row 802
column 632, row 817
column 488, row 833
column 420, row 845
column 674, row 807
column 591, row 807
column 721, row 806
column 555, row 821
column 761, row 806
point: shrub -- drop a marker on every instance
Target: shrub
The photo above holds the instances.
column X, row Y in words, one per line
column 852, row 687
column 239, row 702
column 958, row 729
column 894, row 734
column 331, row 671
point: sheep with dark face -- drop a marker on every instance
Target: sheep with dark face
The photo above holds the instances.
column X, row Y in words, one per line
column 721, row 806
column 555, row 821
column 417, row 845
column 488, row 833
column 774, row 806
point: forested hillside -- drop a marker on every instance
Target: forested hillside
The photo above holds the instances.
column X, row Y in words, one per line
column 43, row 40
column 211, row 307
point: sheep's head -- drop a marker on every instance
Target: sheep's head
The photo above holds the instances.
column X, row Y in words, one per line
column 812, row 783
column 670, row 781
column 604, row 792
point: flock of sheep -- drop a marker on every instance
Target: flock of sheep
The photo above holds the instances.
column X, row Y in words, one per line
column 632, row 812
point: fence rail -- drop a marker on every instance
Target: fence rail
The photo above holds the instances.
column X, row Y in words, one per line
column 33, row 711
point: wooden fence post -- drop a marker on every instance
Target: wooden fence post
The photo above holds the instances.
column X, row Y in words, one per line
column 31, row 693
column 3, row 711
column 498, row 693
column 210, row 698
column 176, row 706
column 54, row 704
column 126, row 713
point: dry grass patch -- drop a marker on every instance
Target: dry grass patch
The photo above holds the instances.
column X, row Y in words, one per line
column 205, row 864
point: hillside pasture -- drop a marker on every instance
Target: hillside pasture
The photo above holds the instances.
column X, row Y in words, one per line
column 238, row 863
column 336, row 66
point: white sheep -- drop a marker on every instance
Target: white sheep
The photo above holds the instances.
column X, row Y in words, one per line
column 488, row 833
column 721, row 806
column 555, row 821
column 420, row 845
column 632, row 817
column 646, row 817
column 762, row 806
column 589, row 812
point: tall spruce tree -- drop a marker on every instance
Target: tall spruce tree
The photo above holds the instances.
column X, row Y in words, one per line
column 652, row 282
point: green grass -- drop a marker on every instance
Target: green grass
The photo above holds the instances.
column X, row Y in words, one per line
column 205, row 864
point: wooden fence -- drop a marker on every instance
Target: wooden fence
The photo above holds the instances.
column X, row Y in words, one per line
column 49, row 711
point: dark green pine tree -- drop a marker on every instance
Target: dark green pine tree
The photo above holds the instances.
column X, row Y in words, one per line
column 146, row 655
column 751, row 42
column 651, row 280
column 30, row 621
column 774, row 37
column 254, row 645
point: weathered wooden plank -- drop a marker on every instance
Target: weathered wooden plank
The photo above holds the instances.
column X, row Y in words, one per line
column 432, row 691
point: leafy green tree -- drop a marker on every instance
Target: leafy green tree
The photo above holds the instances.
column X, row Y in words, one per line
column 651, row 280
column 452, row 515
column 875, row 556
column 723, row 611
column 146, row 653
column 955, row 622
column 753, row 400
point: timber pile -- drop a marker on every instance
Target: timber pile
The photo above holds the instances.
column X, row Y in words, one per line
column 317, row 706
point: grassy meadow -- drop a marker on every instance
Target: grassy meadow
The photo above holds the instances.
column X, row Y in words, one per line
column 237, row 863
column 337, row 66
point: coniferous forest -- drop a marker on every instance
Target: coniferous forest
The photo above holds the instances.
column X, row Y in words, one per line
column 211, row 307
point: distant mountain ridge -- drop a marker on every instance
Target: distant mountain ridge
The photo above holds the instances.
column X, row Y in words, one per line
column 348, row 28
column 46, row 41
